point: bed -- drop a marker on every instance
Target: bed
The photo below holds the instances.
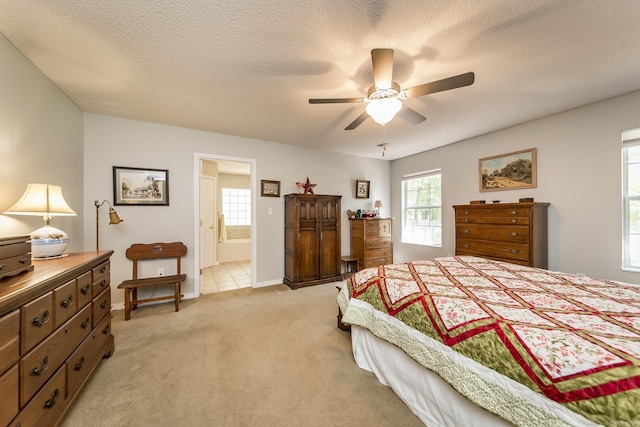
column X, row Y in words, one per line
column 502, row 344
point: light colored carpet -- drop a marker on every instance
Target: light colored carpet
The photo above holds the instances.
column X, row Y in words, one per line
column 252, row 357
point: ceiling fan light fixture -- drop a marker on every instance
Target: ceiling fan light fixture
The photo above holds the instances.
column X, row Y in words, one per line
column 382, row 110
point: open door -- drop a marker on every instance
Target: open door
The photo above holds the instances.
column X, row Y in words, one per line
column 208, row 224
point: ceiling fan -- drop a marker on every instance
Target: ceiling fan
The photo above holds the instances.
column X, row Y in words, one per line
column 384, row 98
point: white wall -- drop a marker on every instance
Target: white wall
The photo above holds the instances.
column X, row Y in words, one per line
column 112, row 142
column 579, row 173
column 40, row 141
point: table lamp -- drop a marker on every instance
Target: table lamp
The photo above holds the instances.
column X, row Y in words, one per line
column 376, row 206
column 44, row 200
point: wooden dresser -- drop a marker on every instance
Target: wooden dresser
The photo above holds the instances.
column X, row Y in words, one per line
column 512, row 232
column 371, row 241
column 55, row 327
column 311, row 239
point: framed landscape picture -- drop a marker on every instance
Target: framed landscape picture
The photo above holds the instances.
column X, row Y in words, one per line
column 142, row 187
column 509, row 171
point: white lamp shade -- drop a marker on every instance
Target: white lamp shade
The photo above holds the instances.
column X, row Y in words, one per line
column 382, row 110
column 42, row 200
column 377, row 204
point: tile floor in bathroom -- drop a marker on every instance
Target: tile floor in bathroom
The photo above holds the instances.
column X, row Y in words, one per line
column 226, row 276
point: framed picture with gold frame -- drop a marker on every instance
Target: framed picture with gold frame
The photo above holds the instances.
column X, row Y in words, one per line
column 510, row 171
column 362, row 189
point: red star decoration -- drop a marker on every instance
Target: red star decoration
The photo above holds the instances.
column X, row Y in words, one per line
column 308, row 187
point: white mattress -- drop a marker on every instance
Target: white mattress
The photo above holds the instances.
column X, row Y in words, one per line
column 433, row 401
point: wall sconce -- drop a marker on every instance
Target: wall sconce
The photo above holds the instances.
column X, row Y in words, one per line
column 113, row 219
column 44, row 200
column 376, row 207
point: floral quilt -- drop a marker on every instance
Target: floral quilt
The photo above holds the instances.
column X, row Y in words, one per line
column 572, row 339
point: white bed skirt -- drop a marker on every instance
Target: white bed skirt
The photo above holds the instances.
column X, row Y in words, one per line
column 434, row 401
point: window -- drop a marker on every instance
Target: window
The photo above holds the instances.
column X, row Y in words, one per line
column 236, row 206
column 631, row 199
column 422, row 209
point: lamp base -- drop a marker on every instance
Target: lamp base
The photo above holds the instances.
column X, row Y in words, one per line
column 48, row 242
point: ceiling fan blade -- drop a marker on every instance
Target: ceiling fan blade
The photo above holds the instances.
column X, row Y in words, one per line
column 336, row 101
column 410, row 115
column 441, row 85
column 357, row 122
column 382, row 61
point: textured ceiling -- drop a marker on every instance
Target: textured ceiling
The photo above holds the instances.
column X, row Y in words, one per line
column 248, row 67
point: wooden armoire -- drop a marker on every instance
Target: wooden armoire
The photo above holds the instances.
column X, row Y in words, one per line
column 311, row 239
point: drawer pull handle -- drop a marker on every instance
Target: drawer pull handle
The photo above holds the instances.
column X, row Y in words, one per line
column 466, row 220
column 2, row 266
column 513, row 212
column 466, row 246
column 514, row 234
column 103, row 282
column 513, row 221
column 105, row 330
column 85, row 289
column 103, row 269
column 39, row 370
column 465, row 212
column 42, row 320
column 24, row 260
column 66, row 303
column 466, row 231
column 104, row 304
column 514, row 251
column 79, row 365
column 84, row 324
column 52, row 400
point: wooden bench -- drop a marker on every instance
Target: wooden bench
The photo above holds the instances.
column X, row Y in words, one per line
column 152, row 251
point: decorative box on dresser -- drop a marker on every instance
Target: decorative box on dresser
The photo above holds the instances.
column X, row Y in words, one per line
column 511, row 232
column 311, row 239
column 55, row 327
column 371, row 241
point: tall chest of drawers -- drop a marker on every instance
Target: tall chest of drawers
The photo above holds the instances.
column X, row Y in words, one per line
column 55, row 328
column 511, row 232
column 371, row 241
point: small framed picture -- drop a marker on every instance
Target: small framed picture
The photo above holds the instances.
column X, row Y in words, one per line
column 269, row 188
column 142, row 187
column 362, row 189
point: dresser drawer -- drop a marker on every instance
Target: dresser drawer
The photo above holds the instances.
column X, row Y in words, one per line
column 15, row 264
column 490, row 212
column 81, row 360
column 507, row 251
column 505, row 233
column 64, row 302
column 379, row 242
column 9, row 340
column 100, row 306
column 100, row 279
column 368, row 263
column 36, row 321
column 38, row 365
column 377, row 253
column 9, row 404
column 83, row 291
column 46, row 404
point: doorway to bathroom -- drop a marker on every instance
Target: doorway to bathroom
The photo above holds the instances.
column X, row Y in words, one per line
column 227, row 223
